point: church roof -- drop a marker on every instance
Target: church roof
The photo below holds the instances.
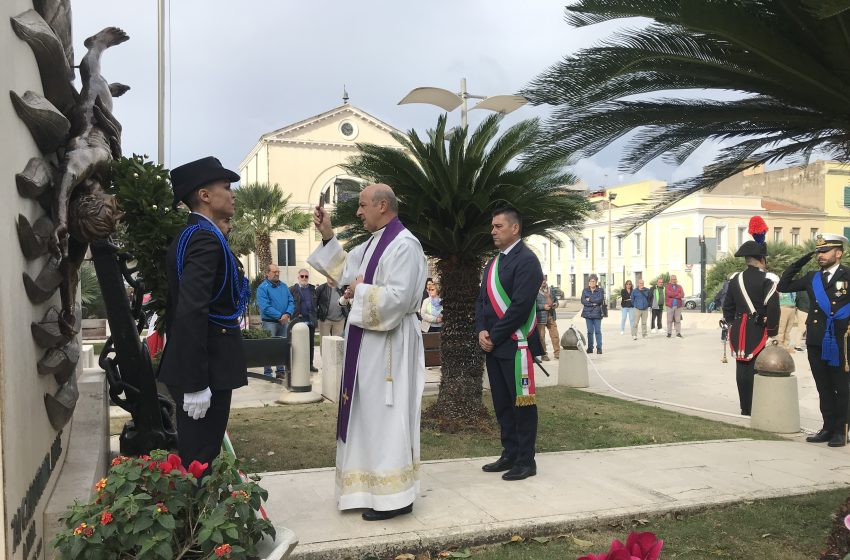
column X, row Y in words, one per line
column 290, row 132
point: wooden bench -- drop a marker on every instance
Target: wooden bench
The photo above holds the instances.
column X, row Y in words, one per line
column 431, row 342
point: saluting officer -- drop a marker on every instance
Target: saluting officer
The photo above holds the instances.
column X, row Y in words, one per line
column 203, row 360
column 826, row 332
column 751, row 306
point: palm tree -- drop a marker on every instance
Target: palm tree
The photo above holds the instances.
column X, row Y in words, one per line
column 261, row 209
column 782, row 68
column 448, row 188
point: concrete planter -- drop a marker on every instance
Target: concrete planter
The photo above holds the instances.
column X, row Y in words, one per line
column 266, row 351
column 279, row 548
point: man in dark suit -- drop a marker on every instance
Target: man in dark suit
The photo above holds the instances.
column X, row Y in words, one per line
column 826, row 332
column 504, row 321
column 306, row 308
column 751, row 306
column 203, row 360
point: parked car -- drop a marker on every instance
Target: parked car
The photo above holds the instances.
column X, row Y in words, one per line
column 692, row 302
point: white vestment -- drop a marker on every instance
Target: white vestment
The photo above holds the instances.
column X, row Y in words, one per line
column 378, row 465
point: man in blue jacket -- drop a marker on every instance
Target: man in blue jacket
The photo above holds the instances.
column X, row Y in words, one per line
column 276, row 307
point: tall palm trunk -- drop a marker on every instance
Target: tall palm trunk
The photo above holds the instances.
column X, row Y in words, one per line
column 459, row 405
column 264, row 251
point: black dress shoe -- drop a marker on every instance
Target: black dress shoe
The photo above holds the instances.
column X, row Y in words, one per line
column 837, row 440
column 590, row 350
column 376, row 515
column 519, row 473
column 820, row 437
column 503, row 464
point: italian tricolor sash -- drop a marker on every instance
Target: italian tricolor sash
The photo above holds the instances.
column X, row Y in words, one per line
column 523, row 362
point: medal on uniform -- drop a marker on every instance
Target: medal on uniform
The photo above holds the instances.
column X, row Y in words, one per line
column 841, row 288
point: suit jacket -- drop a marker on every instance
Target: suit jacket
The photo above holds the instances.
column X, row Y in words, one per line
column 734, row 306
column 295, row 290
column 521, row 275
column 199, row 353
column 816, row 322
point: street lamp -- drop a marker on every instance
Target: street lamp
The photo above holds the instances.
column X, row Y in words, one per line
column 450, row 101
column 609, row 276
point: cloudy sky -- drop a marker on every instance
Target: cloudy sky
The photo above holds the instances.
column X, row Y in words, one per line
column 238, row 69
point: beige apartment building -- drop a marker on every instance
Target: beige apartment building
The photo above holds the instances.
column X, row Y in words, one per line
column 304, row 160
column 796, row 202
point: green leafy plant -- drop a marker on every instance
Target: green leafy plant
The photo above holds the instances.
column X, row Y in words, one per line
column 255, row 334
column 151, row 507
column 149, row 223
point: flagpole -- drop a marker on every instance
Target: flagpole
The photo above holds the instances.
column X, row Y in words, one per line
column 160, row 94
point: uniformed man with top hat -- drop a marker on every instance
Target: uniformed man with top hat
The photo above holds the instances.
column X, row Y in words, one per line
column 203, row 360
column 826, row 332
column 751, row 307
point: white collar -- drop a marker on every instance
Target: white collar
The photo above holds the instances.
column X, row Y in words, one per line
column 514, row 244
column 831, row 270
column 207, row 219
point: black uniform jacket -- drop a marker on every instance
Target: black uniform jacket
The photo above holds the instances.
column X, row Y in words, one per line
column 521, row 276
column 199, row 353
column 758, row 286
column 815, row 322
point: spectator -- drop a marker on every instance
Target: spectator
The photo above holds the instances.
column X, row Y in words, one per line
column 551, row 322
column 673, row 297
column 276, row 306
column 330, row 313
column 432, row 310
column 592, row 300
column 656, row 305
column 721, row 293
column 640, row 299
column 627, row 308
column 802, row 306
column 545, row 320
column 787, row 308
column 426, row 293
column 306, row 307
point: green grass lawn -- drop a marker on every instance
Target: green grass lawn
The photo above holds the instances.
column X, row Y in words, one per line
column 778, row 529
column 303, row 436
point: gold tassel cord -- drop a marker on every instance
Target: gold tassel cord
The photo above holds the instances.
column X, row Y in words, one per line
column 846, row 364
column 525, row 400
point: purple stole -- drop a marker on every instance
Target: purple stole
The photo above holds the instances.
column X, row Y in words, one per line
column 354, row 338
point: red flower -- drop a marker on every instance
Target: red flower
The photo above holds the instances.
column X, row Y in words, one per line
column 80, row 529
column 105, row 518
column 239, row 495
column 118, row 460
column 161, row 508
column 177, row 463
column 89, row 531
column 101, row 484
column 197, row 468
column 165, row 467
column 645, row 546
column 223, row 550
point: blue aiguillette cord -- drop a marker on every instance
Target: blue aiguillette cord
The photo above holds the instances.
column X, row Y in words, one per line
column 239, row 290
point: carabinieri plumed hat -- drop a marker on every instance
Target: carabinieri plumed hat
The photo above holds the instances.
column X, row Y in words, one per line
column 826, row 241
column 191, row 176
column 756, row 248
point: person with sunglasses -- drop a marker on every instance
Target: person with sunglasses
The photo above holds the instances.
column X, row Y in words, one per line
column 306, row 307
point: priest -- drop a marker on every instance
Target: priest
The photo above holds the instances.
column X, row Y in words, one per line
column 377, row 459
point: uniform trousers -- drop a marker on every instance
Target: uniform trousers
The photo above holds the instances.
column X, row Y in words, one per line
column 744, row 376
column 201, row 439
column 518, row 424
column 833, row 391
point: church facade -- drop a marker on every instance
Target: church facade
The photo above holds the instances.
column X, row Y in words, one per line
column 304, row 159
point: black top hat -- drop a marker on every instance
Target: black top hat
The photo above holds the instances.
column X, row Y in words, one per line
column 752, row 249
column 191, row 176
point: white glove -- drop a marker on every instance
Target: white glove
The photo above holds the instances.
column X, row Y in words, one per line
column 196, row 404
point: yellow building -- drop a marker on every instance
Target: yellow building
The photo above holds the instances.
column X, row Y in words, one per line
column 797, row 203
column 304, row 160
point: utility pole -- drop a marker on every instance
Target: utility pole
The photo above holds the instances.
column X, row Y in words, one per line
column 702, row 260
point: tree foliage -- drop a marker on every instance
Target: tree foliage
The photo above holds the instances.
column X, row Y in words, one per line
column 261, row 210
column 782, row 70
column 447, row 189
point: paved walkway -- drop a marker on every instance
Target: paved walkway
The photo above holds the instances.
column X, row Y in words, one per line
column 460, row 504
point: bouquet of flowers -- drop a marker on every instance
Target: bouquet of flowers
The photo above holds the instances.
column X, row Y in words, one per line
column 639, row 546
column 152, row 507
